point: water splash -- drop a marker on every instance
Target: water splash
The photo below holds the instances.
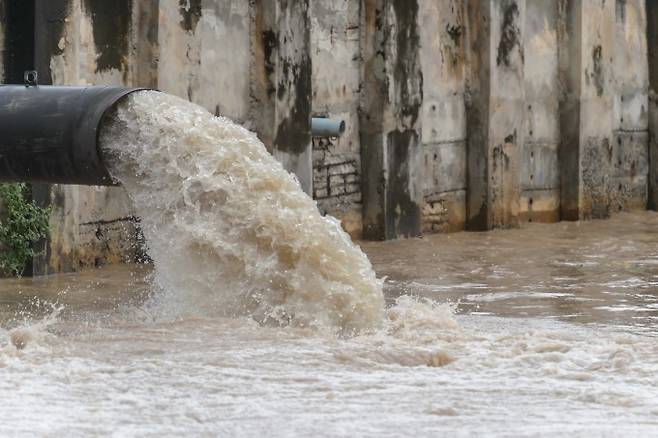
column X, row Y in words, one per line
column 29, row 327
column 230, row 231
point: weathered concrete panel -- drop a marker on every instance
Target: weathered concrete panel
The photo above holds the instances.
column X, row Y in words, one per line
column 444, row 168
column 179, row 49
column 444, row 118
column 442, row 55
column 540, row 167
column 630, row 154
column 628, row 194
column 335, row 33
column 540, row 205
column 442, row 34
column 540, row 176
column 631, row 75
column 630, row 145
column 204, row 54
column 541, row 73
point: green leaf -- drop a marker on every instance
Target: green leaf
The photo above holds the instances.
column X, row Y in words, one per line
column 22, row 223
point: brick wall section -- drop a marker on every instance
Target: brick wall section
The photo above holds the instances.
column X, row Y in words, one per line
column 336, row 180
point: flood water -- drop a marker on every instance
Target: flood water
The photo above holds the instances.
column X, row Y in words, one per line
column 550, row 329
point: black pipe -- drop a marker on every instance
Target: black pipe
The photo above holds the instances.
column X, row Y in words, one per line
column 50, row 133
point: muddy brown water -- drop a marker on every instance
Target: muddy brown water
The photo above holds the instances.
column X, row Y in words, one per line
column 540, row 331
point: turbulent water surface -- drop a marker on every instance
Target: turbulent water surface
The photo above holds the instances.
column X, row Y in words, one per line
column 253, row 326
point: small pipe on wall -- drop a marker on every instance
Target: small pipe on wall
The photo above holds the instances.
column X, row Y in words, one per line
column 324, row 127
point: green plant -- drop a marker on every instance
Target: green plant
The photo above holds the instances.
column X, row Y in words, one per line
column 22, row 223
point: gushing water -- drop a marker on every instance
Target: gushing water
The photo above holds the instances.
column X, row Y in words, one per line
column 230, row 231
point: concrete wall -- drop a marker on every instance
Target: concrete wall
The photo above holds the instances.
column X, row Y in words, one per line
column 460, row 113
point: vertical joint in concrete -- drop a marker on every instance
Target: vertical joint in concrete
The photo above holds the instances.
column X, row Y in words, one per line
column 494, row 112
column 392, row 97
column 570, row 69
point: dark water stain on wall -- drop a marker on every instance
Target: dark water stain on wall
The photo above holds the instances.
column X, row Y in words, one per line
column 407, row 73
column 293, row 133
column 455, row 32
column 269, row 43
column 620, row 10
column 190, row 12
column 510, row 33
column 597, row 73
column 293, row 70
column 403, row 216
column 111, row 26
column 50, row 25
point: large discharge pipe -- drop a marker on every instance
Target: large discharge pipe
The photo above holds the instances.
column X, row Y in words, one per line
column 50, row 133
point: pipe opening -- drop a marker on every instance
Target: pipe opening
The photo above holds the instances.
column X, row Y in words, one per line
column 50, row 133
column 30, row 78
